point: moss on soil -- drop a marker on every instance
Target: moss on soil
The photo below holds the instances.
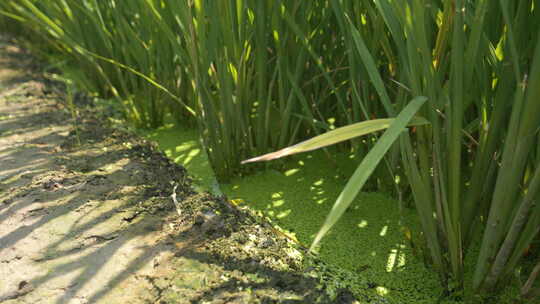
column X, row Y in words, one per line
column 367, row 243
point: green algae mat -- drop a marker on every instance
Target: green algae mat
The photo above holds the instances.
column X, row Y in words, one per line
column 369, row 245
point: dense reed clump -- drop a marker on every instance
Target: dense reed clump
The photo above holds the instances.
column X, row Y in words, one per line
column 247, row 72
column 256, row 76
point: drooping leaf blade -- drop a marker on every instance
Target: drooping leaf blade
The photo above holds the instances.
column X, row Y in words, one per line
column 368, row 165
column 336, row 136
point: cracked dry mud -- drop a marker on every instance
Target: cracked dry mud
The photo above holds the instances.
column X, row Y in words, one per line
column 94, row 222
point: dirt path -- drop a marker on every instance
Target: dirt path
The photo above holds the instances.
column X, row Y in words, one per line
column 87, row 216
column 69, row 224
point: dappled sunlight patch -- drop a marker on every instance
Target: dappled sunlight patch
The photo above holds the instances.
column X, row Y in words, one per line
column 113, row 167
column 189, row 157
column 396, row 259
column 277, row 195
column 321, row 201
column 363, row 224
column 283, row 214
column 382, row 291
column 278, row 203
column 292, row 172
column 318, row 183
column 383, row 231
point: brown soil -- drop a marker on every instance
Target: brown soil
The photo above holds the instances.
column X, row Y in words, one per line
column 87, row 215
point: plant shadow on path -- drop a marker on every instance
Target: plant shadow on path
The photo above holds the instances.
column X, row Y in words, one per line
column 14, row 60
column 54, row 212
column 84, row 249
column 95, row 223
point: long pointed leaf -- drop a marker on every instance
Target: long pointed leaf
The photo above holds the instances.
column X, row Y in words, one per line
column 335, row 136
column 368, row 165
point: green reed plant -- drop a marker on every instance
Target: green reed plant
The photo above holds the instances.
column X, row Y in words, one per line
column 249, row 69
column 472, row 68
column 257, row 76
column 256, row 80
column 473, row 167
column 116, row 49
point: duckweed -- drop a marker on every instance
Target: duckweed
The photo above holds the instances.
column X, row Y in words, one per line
column 368, row 241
